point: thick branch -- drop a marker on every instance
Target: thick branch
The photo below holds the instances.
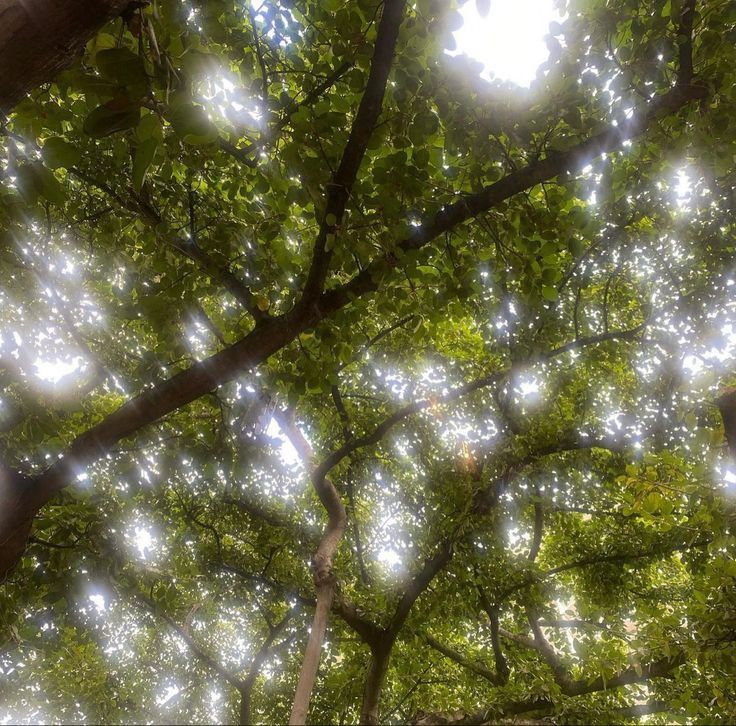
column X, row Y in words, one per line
column 502, row 667
column 360, row 133
column 470, row 206
column 657, row 669
column 550, row 656
column 726, row 403
column 39, row 38
column 262, row 654
column 419, row 583
column 685, row 43
column 538, row 531
column 633, row 674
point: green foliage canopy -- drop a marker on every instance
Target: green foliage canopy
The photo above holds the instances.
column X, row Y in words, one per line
column 237, row 264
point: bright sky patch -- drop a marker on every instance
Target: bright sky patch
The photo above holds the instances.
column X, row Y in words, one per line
column 509, row 40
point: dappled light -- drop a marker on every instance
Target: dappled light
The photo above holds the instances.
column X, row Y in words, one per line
column 371, row 363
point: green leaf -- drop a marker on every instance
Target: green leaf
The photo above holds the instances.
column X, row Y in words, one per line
column 122, row 66
column 549, row 292
column 112, row 117
column 191, row 124
column 26, row 183
column 59, row 154
column 34, row 180
column 148, row 126
column 142, row 159
column 429, row 270
column 49, row 186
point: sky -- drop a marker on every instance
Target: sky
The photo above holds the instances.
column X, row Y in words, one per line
column 509, row 41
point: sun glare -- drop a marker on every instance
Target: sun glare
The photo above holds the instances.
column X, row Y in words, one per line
column 287, row 452
column 53, row 371
column 509, row 40
column 389, row 557
column 144, row 542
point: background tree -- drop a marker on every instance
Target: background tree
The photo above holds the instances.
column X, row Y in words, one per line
column 343, row 385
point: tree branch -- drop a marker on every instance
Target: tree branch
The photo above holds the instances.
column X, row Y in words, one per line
column 685, row 43
column 601, row 559
column 657, row 669
column 259, row 55
column 419, row 583
column 360, row 133
column 37, row 40
column 470, row 206
column 538, row 530
column 460, row 659
column 192, row 644
column 502, row 667
column 186, row 247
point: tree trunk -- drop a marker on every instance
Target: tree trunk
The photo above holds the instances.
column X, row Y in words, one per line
column 375, row 678
column 38, row 38
column 310, row 664
column 324, row 578
column 245, row 719
column 726, row 403
column 17, row 509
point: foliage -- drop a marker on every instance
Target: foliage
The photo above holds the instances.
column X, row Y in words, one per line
column 503, row 349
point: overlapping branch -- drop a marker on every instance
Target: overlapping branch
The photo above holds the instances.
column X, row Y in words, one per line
column 187, row 247
column 243, row 685
column 275, row 333
column 365, row 120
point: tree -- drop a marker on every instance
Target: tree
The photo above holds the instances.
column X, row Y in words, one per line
column 38, row 39
column 343, row 385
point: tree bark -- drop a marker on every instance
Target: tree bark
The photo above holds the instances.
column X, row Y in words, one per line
column 38, row 38
column 17, row 509
column 245, row 719
column 376, row 677
column 324, row 578
column 726, row 403
column 310, row 663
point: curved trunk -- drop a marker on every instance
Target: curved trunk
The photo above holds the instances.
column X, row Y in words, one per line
column 38, row 38
column 375, row 678
column 324, row 578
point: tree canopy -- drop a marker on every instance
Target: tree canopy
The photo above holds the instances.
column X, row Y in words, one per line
column 342, row 384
